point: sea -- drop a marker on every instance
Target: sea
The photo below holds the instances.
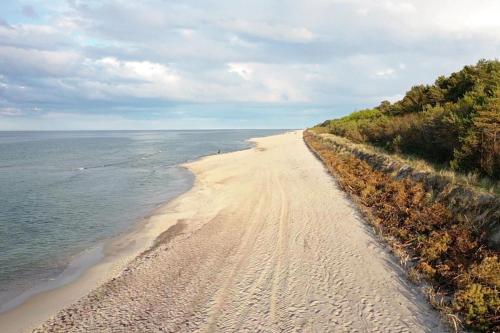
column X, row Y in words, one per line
column 64, row 194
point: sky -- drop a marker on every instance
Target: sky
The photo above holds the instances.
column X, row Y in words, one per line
column 162, row 64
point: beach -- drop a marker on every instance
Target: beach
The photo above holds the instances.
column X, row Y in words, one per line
column 264, row 241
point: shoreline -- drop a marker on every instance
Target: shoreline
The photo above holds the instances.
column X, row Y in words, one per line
column 265, row 240
column 114, row 255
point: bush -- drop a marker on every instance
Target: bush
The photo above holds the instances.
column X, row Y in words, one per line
column 480, row 305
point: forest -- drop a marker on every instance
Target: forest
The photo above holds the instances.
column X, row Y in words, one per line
column 454, row 122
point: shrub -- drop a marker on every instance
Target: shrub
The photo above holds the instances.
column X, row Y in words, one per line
column 479, row 304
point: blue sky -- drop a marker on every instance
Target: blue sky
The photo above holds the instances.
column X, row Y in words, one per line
column 162, row 64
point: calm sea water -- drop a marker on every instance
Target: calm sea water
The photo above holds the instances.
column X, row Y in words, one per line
column 65, row 192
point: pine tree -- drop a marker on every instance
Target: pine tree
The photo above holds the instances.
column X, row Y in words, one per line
column 487, row 124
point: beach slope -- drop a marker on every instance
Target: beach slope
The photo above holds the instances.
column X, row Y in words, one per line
column 264, row 241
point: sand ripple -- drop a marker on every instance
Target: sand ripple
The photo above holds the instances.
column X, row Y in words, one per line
column 264, row 242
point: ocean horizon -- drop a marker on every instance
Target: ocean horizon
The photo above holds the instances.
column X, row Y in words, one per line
column 66, row 193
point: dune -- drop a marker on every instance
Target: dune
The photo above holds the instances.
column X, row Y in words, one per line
column 264, row 241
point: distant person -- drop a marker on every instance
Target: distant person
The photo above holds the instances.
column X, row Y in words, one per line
column 218, row 151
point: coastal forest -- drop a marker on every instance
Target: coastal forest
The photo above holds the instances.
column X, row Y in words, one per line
column 454, row 122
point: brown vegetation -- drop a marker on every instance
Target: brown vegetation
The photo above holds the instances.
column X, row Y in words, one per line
column 449, row 253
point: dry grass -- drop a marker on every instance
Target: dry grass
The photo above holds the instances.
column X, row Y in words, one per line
column 448, row 254
column 482, row 184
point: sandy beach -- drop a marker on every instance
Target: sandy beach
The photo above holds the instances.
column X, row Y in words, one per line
column 265, row 241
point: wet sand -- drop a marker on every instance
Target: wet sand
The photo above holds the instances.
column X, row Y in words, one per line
column 264, row 241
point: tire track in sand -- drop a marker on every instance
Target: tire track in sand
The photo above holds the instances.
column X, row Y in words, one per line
column 281, row 271
column 270, row 244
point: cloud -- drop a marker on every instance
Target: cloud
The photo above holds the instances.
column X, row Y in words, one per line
column 10, row 112
column 385, row 73
column 18, row 62
column 270, row 31
column 243, row 70
column 117, row 59
column 33, row 36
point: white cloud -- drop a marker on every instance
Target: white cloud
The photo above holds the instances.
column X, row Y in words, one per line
column 272, row 31
column 335, row 53
column 10, row 112
column 243, row 70
column 141, row 70
column 385, row 73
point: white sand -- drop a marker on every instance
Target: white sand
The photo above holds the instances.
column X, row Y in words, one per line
column 265, row 241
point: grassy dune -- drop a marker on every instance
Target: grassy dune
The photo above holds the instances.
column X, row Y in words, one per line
column 450, row 131
column 453, row 123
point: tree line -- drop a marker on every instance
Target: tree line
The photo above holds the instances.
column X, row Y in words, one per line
column 455, row 121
